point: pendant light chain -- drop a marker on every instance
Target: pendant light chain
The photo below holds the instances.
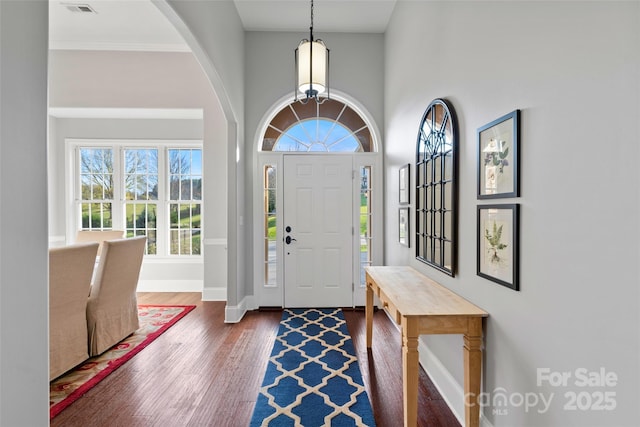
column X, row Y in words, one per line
column 311, row 28
column 311, row 54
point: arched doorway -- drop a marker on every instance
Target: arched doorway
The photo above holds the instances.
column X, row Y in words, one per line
column 225, row 242
column 318, row 196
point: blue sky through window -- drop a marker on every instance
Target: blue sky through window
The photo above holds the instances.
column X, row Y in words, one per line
column 318, row 135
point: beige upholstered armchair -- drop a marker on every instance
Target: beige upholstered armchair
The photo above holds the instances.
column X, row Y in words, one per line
column 112, row 310
column 70, row 270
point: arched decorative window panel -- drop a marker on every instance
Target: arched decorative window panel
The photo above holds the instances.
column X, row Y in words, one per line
column 328, row 127
column 436, row 187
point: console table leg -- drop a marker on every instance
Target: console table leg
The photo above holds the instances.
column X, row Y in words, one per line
column 410, row 373
column 472, row 372
column 369, row 314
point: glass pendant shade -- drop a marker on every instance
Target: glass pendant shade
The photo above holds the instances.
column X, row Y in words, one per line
column 312, row 59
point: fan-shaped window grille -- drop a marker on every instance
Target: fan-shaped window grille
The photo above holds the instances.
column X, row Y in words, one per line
column 328, row 127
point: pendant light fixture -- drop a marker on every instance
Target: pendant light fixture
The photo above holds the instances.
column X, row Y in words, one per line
column 312, row 69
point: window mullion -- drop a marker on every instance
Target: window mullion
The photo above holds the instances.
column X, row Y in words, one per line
column 163, row 202
column 118, row 188
column 77, row 189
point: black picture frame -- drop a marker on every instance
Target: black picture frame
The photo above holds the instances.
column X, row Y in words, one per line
column 404, row 227
column 499, row 157
column 404, row 183
column 498, row 248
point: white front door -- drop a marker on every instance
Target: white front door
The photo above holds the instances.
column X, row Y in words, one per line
column 318, row 231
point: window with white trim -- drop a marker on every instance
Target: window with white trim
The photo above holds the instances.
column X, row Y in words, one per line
column 153, row 190
column 141, row 195
column 96, row 188
column 185, row 200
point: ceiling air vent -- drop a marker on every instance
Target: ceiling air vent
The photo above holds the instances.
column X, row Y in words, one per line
column 83, row 8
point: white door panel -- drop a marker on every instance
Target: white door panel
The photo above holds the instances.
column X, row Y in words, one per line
column 318, row 204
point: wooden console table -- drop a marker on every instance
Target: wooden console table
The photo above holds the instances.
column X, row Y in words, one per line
column 421, row 306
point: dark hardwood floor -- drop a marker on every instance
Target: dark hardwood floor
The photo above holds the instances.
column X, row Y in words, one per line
column 203, row 372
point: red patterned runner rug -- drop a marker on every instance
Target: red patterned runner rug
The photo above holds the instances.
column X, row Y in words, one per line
column 154, row 320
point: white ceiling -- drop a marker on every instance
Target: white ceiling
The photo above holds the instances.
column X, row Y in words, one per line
column 350, row 16
column 115, row 25
column 139, row 25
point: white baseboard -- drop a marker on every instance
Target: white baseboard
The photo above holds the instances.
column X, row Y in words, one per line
column 214, row 294
column 251, row 302
column 234, row 313
column 450, row 390
column 169, row 286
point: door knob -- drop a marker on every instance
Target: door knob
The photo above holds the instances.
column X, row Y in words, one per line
column 289, row 239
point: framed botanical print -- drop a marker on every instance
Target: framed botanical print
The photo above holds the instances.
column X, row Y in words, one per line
column 403, row 226
column 498, row 157
column 498, row 244
column 403, row 185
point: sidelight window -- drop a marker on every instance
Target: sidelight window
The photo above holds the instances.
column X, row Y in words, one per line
column 365, row 221
column 270, row 230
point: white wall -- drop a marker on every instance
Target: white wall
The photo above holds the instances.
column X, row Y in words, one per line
column 23, row 136
column 356, row 70
column 214, row 32
column 573, row 70
column 24, row 304
column 152, row 80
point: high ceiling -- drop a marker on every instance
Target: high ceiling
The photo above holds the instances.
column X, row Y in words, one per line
column 139, row 25
column 349, row 16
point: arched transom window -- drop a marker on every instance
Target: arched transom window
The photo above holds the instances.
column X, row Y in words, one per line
column 328, row 127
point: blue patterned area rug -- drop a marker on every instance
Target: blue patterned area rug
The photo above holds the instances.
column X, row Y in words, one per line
column 313, row 378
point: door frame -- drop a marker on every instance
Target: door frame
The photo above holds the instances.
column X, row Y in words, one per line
column 273, row 296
